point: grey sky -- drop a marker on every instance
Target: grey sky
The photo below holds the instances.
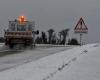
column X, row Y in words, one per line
column 57, row 14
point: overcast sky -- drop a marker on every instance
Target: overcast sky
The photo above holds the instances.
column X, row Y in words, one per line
column 57, row 14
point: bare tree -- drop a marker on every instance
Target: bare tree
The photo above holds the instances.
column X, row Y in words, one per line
column 50, row 33
column 44, row 37
column 63, row 33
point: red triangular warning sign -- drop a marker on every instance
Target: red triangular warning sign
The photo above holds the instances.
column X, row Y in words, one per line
column 81, row 26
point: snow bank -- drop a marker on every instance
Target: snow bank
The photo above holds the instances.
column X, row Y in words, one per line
column 51, row 45
column 65, row 65
column 86, row 67
column 1, row 44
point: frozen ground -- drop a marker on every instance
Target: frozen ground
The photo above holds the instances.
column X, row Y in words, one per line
column 86, row 66
column 12, row 58
column 80, row 63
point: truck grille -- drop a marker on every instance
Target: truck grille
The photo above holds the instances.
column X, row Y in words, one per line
column 18, row 34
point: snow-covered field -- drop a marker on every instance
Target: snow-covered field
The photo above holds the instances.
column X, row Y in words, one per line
column 80, row 63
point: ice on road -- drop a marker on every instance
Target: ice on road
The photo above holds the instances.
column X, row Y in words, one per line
column 13, row 59
column 79, row 63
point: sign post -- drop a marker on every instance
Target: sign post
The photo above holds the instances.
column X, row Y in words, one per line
column 81, row 29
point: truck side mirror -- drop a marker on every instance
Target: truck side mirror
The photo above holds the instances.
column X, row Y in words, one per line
column 36, row 32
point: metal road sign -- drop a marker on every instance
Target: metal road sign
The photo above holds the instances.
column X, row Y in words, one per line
column 81, row 27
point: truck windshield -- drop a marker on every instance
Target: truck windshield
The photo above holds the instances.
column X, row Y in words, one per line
column 21, row 28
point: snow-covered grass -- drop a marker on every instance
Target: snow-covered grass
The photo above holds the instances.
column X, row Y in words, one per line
column 73, row 64
column 51, row 45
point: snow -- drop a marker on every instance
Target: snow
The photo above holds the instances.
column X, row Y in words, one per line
column 11, row 58
column 86, row 67
column 3, row 47
column 1, row 44
column 80, row 63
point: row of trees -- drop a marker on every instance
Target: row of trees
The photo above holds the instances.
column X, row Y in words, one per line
column 55, row 38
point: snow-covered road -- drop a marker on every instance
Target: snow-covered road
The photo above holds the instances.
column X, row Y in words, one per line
column 80, row 63
column 10, row 59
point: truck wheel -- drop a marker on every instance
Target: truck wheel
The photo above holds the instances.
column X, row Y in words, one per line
column 11, row 46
